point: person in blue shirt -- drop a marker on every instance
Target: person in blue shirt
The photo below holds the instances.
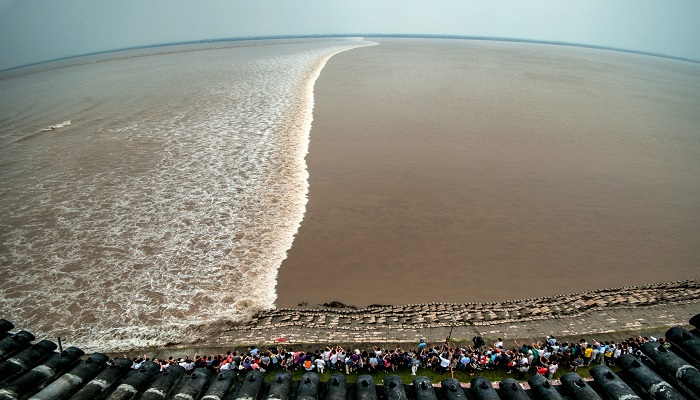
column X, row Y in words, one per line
column 464, row 362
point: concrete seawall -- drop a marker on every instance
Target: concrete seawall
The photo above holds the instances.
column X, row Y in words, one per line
column 651, row 307
column 38, row 371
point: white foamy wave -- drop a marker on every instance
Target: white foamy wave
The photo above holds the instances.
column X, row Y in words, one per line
column 164, row 215
column 57, row 126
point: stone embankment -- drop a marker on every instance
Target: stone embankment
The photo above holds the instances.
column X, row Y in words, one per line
column 604, row 310
column 36, row 371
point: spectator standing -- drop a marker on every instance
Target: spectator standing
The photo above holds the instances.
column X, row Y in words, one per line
column 478, row 342
column 342, row 356
column 327, row 355
column 188, row 365
column 523, row 368
column 415, row 362
column 444, row 362
column 320, row 364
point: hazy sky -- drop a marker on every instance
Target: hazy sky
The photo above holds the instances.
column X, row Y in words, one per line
column 38, row 30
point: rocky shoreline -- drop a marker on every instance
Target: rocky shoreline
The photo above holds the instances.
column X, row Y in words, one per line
column 631, row 308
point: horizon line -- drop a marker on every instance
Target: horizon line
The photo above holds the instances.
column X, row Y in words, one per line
column 363, row 35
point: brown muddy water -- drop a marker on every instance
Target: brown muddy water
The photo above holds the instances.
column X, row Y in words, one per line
column 470, row 171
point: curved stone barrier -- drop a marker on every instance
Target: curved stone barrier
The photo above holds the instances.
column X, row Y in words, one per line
column 510, row 389
column 251, row 386
column 365, row 388
column 42, row 375
column 136, row 381
column 452, row 389
column 97, row 387
column 5, row 328
column 423, row 388
column 308, row 387
column 337, row 388
column 542, row 388
column 482, row 389
column 686, row 342
column 393, row 388
column 220, row 385
column 674, row 368
column 194, row 384
column 12, row 344
column 578, row 388
column 614, row 387
column 66, row 383
column 26, row 360
column 160, row 388
column 646, row 379
column 280, row 387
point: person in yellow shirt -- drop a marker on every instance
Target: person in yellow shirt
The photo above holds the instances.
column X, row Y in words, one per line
column 587, row 353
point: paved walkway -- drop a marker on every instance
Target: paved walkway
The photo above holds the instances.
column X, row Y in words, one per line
column 601, row 314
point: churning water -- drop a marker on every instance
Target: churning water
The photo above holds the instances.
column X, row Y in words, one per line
column 150, row 196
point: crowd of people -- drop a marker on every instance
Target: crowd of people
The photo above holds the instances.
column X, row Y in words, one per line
column 545, row 357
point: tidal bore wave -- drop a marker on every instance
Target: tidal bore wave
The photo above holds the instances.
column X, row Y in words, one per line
column 163, row 209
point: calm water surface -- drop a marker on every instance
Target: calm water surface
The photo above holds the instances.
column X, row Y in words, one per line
column 468, row 171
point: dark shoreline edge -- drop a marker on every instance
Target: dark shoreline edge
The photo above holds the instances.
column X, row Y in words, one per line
column 475, row 314
column 607, row 313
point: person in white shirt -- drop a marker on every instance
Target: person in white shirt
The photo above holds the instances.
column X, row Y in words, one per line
column 553, row 367
column 164, row 365
column 320, row 364
column 444, row 362
column 618, row 352
column 189, row 366
column 341, row 359
column 523, row 368
column 334, row 360
column 415, row 362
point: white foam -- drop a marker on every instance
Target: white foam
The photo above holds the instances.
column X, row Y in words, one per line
column 168, row 215
column 57, row 126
